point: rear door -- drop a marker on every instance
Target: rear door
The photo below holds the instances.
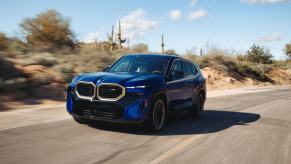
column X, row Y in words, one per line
column 190, row 82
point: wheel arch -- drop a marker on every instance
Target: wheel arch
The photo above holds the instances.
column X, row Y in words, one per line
column 203, row 92
column 161, row 94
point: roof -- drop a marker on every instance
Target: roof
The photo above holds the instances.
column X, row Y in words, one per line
column 153, row 54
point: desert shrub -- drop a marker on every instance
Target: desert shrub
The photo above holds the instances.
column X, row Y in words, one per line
column 288, row 50
column 255, row 71
column 42, row 78
column 203, row 63
column 259, row 54
column 16, row 45
column 66, row 68
column 3, row 42
column 66, row 71
column 91, row 59
column 41, row 58
column 48, row 30
column 241, row 57
column 232, row 66
column 171, row 52
column 8, row 70
column 13, row 83
column 283, row 64
column 140, row 48
column 47, row 61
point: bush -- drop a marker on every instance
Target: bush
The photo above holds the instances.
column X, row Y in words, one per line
column 259, row 54
column 8, row 70
column 140, row 48
column 48, row 30
column 14, row 83
column 288, row 50
column 16, row 45
column 3, row 42
column 171, row 52
column 42, row 78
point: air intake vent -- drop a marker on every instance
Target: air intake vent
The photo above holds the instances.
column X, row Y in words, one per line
column 86, row 90
column 110, row 92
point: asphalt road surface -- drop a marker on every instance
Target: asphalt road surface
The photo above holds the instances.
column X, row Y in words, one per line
column 244, row 128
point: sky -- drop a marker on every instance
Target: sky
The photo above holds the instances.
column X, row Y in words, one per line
column 187, row 25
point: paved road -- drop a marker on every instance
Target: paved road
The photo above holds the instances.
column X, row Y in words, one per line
column 243, row 128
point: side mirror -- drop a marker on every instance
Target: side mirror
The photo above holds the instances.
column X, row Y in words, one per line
column 176, row 75
column 106, row 68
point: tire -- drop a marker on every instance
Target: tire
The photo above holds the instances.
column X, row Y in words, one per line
column 198, row 107
column 80, row 120
column 157, row 116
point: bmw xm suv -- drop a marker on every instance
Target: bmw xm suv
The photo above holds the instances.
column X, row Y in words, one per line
column 138, row 88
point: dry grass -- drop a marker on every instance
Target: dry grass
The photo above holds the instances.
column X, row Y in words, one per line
column 33, row 72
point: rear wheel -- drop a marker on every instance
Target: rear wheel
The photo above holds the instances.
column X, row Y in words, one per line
column 157, row 116
column 198, row 107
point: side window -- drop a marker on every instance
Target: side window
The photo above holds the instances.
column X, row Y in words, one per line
column 188, row 71
column 176, row 70
column 195, row 71
column 177, row 66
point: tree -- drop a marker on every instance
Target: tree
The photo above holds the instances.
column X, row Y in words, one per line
column 259, row 54
column 3, row 42
column 288, row 50
column 49, row 29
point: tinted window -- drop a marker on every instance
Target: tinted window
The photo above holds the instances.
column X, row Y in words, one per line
column 175, row 69
column 188, row 71
column 141, row 64
column 122, row 66
column 177, row 66
column 194, row 69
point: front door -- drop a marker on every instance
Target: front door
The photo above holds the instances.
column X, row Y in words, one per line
column 176, row 86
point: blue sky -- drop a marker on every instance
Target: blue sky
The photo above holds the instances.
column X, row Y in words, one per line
column 186, row 24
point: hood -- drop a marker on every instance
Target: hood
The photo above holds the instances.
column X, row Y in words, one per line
column 125, row 79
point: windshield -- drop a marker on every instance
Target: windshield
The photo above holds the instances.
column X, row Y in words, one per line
column 141, row 64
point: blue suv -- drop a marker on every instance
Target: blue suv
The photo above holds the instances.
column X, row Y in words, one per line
column 138, row 88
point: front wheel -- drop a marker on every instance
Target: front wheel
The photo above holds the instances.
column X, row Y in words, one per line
column 157, row 116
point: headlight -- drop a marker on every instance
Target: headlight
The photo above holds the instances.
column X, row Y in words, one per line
column 136, row 87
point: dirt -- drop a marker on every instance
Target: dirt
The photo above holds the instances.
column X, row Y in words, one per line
column 280, row 76
column 32, row 70
column 218, row 80
column 53, row 93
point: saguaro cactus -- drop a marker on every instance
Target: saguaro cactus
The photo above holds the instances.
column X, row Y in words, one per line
column 110, row 43
column 163, row 44
column 119, row 36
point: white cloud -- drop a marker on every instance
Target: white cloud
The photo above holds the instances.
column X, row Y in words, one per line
column 136, row 23
column 193, row 2
column 198, row 14
column 91, row 37
column 270, row 38
column 175, row 15
column 264, row 1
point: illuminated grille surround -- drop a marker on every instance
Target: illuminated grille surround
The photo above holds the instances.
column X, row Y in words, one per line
column 97, row 89
column 114, row 98
column 78, row 91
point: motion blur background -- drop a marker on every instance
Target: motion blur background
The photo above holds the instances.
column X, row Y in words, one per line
column 44, row 44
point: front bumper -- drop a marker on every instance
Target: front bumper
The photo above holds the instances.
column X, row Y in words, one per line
column 132, row 108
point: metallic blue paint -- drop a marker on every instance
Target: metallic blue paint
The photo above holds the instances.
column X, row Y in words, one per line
column 69, row 103
column 136, row 103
